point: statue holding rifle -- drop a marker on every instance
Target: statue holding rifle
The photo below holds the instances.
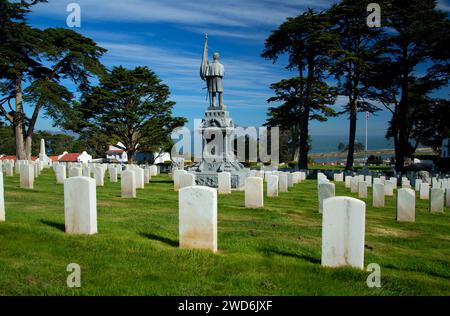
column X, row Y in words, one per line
column 213, row 73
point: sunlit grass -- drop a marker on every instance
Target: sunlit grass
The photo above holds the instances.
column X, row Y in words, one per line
column 271, row 251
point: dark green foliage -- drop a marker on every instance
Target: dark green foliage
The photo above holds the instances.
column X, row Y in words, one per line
column 417, row 38
column 128, row 106
column 306, row 42
column 351, row 61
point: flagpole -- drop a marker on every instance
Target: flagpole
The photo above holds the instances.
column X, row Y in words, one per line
column 367, row 122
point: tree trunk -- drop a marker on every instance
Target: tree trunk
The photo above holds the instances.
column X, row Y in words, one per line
column 295, row 145
column 18, row 120
column 130, row 154
column 402, row 119
column 304, row 117
column 28, row 146
column 351, row 136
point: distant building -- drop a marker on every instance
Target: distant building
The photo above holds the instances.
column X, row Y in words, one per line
column 162, row 157
column 445, row 149
column 84, row 157
column 116, row 153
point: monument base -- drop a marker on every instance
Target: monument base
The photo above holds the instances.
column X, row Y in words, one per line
column 206, row 173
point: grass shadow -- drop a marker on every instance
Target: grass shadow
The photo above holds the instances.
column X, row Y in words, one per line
column 168, row 241
column 425, row 271
column 161, row 181
column 292, row 255
column 56, row 225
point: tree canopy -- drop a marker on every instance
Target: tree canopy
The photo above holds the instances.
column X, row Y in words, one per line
column 128, row 106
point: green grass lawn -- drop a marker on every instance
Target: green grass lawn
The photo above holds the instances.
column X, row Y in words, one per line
column 270, row 251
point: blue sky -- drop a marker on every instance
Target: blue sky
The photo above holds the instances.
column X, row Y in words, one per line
column 167, row 36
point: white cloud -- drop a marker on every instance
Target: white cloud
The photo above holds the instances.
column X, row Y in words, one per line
column 199, row 12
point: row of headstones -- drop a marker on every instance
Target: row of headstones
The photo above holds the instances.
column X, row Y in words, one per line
column 254, row 193
column 343, row 224
column 132, row 178
column 27, row 169
column 80, row 201
column 276, row 181
column 342, row 235
column 405, row 195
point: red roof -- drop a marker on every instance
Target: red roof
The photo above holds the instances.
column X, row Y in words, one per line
column 69, row 158
column 53, row 158
column 8, row 158
column 14, row 158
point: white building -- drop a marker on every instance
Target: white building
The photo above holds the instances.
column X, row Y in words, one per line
column 84, row 157
column 162, row 157
column 116, row 153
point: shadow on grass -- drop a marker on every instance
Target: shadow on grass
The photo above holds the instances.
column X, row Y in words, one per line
column 291, row 255
column 56, row 225
column 161, row 181
column 427, row 271
column 168, row 241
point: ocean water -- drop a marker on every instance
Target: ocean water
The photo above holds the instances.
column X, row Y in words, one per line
column 329, row 143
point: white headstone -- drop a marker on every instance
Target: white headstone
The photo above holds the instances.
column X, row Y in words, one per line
column 362, row 189
column 36, row 170
column 75, row 172
column 437, row 200
column 80, row 205
column 99, row 176
column 153, row 170
column 394, row 181
column 378, row 195
column 187, row 180
column 406, row 205
column 139, row 178
column 128, row 184
column 369, row 181
column 198, row 217
column 348, row 180
column 26, row 176
column 9, row 170
column 147, row 175
column 302, row 175
column 354, row 184
column 254, row 195
column 176, row 178
column 424, row 191
column 272, row 185
column 388, row 188
column 343, row 230
column 338, row 177
column 224, row 183
column 60, row 174
column 112, row 174
column 325, row 191
column 295, row 177
column 283, row 182
column 290, row 179
column 86, row 171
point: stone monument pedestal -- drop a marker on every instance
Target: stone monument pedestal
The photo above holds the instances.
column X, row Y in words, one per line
column 206, row 171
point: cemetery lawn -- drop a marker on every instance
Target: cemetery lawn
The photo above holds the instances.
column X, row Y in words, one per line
column 271, row 251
